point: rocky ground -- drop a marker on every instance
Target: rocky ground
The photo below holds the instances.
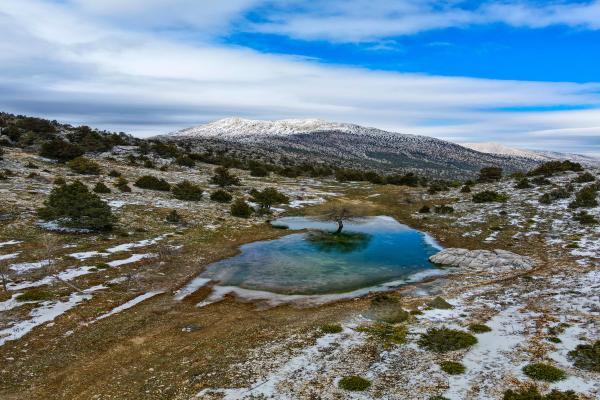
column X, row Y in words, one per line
column 105, row 319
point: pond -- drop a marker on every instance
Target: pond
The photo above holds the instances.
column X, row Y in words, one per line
column 368, row 253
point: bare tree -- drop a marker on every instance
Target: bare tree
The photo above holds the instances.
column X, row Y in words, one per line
column 339, row 214
column 50, row 247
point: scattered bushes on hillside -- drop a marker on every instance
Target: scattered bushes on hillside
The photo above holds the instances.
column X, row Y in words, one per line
column 185, row 161
column 586, row 197
column 221, row 196
column 85, row 166
column 122, row 184
column 558, row 193
column 523, row 183
column 101, row 188
column 348, row 175
column 354, row 383
column 258, row 170
column 584, row 178
column 584, row 218
column 268, row 197
column 224, row 178
column 408, row 179
column 489, row 196
column 541, row 181
column 441, row 340
column 152, row 183
column 586, row 356
column 532, row 393
column 490, row 174
column 436, row 187
column 552, row 167
column 543, row 372
column 374, row 177
column 60, row 150
column 241, row 209
column 186, row 190
column 75, row 206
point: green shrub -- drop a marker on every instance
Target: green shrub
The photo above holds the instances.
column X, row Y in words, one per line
column 259, row 171
column 559, row 193
column 387, row 308
column 532, row 393
column 59, row 181
column 185, row 161
column 541, row 181
column 441, row 340
column 241, row 209
column 543, row 372
column 440, row 304
column 479, row 328
column 465, row 189
column 101, row 188
column 424, row 210
column 85, row 166
column 443, row 209
column 436, row 187
column 269, row 197
column 452, row 367
column 584, row 178
column 31, row 165
column 221, row 196
column 186, row 190
column 223, row 178
column 384, row 333
column 490, row 174
column 174, row 218
column 553, row 339
column 438, row 398
column 489, row 196
column 114, row 173
column 354, row 383
column 102, row 265
column 586, row 356
column 149, row 164
column 60, row 150
column 584, row 218
column 551, row 167
column 34, row 295
column 122, row 184
column 75, row 206
column 523, row 184
column 586, row 197
column 152, row 183
column 331, row 328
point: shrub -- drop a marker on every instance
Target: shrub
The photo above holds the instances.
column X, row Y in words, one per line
column 241, row 209
column 149, row 164
column 553, row 339
column 269, row 197
column 541, row 181
column 489, row 196
column 436, row 187
column 586, row 356
column 114, row 173
column 31, row 165
column 185, row 161
column 465, row 189
column 186, row 190
column 441, row 340
column 75, row 206
column 59, row 181
column 221, row 196
column 258, row 171
column 584, row 178
column 452, row 367
column 102, row 265
column 174, row 218
column 424, row 210
column 585, row 197
column 490, row 174
column 523, row 184
column 331, row 328
column 440, row 304
column 532, row 393
column 354, row 383
column 223, row 178
column 384, row 333
column 409, row 179
column 85, row 166
column 36, row 294
column 543, row 372
column 101, row 188
column 60, row 150
column 152, row 183
column 374, row 177
column 443, row 209
column 122, row 184
column 584, row 218
column 551, row 167
column 559, row 193
column 479, row 328
column 438, row 398
column 387, row 308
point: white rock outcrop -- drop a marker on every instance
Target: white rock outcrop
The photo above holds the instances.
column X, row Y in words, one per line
column 482, row 260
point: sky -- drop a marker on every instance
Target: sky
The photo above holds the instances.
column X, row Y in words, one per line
column 525, row 73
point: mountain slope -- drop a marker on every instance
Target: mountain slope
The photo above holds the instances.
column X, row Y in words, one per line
column 346, row 145
column 538, row 155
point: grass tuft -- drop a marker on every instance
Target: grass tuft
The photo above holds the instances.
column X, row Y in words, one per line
column 443, row 340
column 544, row 372
column 452, row 367
column 354, row 383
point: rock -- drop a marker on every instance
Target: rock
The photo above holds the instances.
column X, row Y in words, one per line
column 482, row 260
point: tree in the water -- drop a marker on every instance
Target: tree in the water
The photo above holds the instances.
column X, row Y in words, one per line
column 339, row 214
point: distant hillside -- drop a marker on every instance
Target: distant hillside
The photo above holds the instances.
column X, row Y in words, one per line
column 347, row 145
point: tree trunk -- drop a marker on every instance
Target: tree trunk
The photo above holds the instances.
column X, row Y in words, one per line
column 340, row 226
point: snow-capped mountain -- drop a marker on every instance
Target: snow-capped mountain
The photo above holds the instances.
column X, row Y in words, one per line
column 538, row 155
column 343, row 144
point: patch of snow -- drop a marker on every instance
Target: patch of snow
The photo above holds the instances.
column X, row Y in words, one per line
column 129, row 304
column 9, row 256
column 24, row 267
column 131, row 259
column 10, row 243
column 191, row 287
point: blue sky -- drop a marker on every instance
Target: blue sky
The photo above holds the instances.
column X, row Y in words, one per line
column 523, row 73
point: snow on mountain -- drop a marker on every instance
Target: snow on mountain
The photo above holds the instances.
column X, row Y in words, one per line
column 236, row 127
column 497, row 148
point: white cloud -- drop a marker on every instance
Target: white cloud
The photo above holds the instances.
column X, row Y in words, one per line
column 77, row 68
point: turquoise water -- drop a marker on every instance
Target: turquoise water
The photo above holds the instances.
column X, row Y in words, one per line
column 370, row 252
